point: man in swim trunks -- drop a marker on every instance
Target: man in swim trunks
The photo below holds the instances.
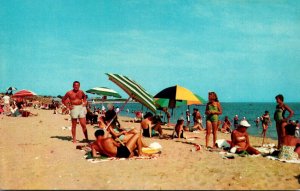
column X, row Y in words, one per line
column 109, row 147
column 77, row 104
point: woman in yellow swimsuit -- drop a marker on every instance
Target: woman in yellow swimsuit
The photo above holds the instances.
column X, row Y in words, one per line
column 212, row 111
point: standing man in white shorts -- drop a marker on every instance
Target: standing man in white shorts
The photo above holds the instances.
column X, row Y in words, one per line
column 77, row 105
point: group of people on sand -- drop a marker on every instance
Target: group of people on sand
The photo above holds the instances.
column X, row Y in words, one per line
column 111, row 138
column 14, row 106
column 287, row 141
column 114, row 140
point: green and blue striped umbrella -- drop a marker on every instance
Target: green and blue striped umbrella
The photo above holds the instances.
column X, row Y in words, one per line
column 134, row 90
column 103, row 91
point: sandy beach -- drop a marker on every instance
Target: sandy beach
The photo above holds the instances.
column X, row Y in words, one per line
column 37, row 153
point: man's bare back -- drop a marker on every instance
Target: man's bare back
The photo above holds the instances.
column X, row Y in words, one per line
column 108, row 146
column 145, row 124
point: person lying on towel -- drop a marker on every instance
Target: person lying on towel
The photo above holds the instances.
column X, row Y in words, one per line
column 107, row 146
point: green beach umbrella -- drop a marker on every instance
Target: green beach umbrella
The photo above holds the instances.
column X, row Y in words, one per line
column 103, row 91
column 134, row 90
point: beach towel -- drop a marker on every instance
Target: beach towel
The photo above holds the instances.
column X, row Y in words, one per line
column 91, row 159
column 229, row 155
column 153, row 151
column 283, row 160
column 222, row 143
column 265, row 150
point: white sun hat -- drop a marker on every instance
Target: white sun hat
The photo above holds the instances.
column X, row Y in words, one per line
column 244, row 123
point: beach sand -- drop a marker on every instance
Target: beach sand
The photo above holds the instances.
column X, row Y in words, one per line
column 37, row 153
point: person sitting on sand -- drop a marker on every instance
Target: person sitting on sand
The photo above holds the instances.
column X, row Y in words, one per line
column 148, row 128
column 290, row 149
column 179, row 128
column 111, row 116
column 107, row 146
column 121, row 134
column 14, row 111
column 240, row 139
column 226, row 126
column 197, row 118
column 138, row 117
column 101, row 122
column 90, row 116
column 25, row 111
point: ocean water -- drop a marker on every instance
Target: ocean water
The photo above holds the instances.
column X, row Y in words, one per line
column 249, row 110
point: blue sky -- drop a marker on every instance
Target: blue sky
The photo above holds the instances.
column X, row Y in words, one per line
column 242, row 50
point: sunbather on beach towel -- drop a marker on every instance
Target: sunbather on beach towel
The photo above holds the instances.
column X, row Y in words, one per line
column 240, row 139
column 290, row 149
column 122, row 135
column 109, row 147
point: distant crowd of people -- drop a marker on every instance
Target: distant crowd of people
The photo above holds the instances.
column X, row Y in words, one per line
column 15, row 107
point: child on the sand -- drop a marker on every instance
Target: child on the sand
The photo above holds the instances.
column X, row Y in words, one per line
column 226, row 126
column 178, row 129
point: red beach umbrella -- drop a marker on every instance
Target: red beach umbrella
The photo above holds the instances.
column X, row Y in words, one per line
column 23, row 93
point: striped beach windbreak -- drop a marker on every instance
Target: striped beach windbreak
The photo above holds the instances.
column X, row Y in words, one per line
column 134, row 90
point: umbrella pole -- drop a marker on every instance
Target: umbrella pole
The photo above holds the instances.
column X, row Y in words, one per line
column 115, row 117
column 117, row 113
